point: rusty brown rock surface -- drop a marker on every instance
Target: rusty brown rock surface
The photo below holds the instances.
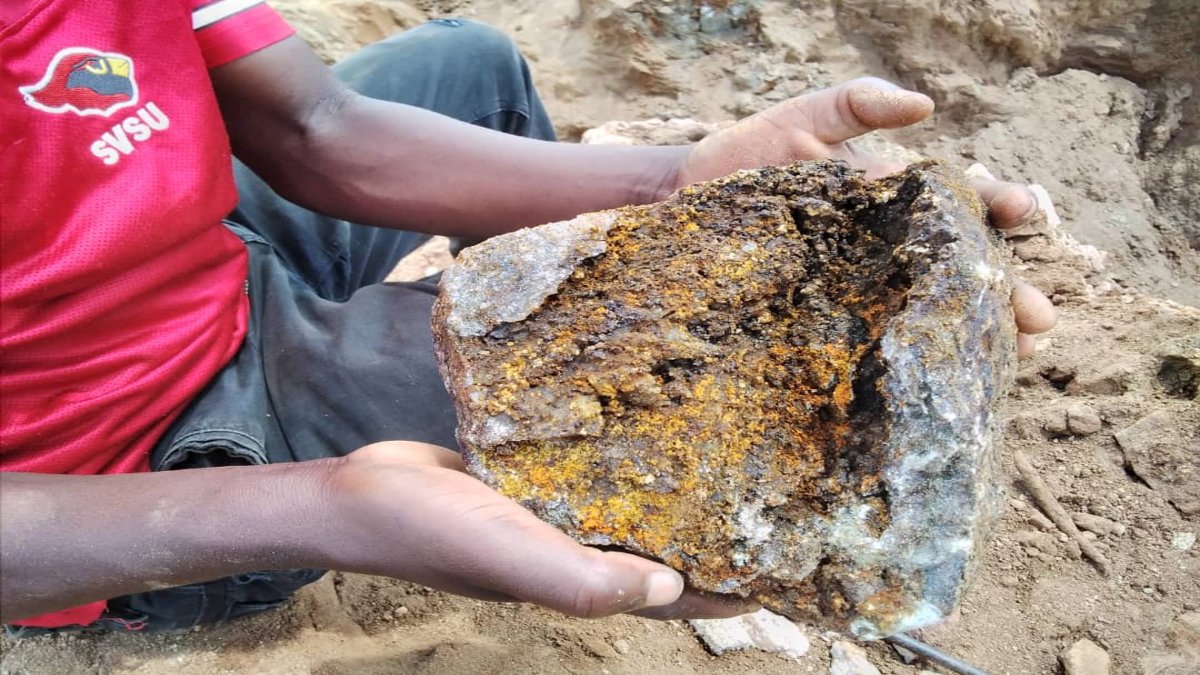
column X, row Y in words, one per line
column 781, row 383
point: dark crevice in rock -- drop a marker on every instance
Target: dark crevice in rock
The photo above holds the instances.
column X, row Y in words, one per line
column 1059, row 379
column 1132, row 475
column 1179, row 377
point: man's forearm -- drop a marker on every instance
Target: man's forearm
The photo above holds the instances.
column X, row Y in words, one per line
column 67, row 540
column 323, row 146
column 394, row 165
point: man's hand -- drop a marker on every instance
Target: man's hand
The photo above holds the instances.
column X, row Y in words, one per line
column 405, row 510
column 818, row 126
column 409, row 510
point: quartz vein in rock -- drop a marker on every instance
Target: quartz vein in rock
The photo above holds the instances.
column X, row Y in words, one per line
column 781, row 383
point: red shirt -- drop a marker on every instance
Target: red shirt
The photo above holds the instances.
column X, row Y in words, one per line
column 121, row 294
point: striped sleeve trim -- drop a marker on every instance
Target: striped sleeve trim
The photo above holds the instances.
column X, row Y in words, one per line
column 227, row 30
column 220, row 10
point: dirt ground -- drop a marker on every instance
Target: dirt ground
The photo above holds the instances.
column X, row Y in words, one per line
column 1097, row 100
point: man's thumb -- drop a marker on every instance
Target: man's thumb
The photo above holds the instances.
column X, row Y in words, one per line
column 601, row 583
column 878, row 104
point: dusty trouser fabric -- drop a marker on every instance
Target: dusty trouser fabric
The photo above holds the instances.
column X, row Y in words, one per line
column 334, row 359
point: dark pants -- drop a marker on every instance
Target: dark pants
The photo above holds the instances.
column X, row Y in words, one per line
column 334, row 359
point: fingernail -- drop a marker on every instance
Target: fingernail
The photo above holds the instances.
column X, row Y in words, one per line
column 1031, row 200
column 663, row 588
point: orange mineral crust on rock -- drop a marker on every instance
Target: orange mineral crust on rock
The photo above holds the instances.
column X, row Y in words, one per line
column 701, row 380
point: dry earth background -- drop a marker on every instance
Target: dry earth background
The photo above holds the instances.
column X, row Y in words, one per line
column 1097, row 100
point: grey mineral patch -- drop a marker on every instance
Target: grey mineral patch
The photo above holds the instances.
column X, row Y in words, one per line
column 518, row 271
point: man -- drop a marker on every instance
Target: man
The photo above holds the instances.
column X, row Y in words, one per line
column 141, row 335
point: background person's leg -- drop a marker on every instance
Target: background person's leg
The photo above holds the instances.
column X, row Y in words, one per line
column 462, row 69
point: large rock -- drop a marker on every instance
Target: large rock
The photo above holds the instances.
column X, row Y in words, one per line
column 1161, row 449
column 781, row 383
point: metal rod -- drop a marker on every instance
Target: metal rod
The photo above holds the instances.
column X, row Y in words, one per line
column 933, row 654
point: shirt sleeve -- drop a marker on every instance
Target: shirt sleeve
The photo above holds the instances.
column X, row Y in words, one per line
column 76, row 616
column 230, row 29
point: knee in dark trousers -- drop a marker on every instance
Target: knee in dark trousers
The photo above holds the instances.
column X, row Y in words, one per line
column 472, row 72
column 479, row 73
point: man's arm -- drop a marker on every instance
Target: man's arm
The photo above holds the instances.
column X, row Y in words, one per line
column 68, row 540
column 325, row 147
column 406, row 510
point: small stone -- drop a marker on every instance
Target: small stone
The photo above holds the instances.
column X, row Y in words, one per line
column 1026, row 426
column 674, row 131
column 746, row 80
column 1009, row 581
column 1029, row 377
column 722, row 635
column 597, row 647
column 400, row 611
column 763, row 630
column 1082, row 420
column 621, row 646
column 1184, row 541
column 1039, row 520
column 847, row 658
column 1107, row 380
column 1161, row 450
column 1097, row 524
column 1037, row 249
column 1059, row 376
column 1085, row 658
column 1041, row 541
column 1074, row 550
column 905, row 655
column 1054, row 422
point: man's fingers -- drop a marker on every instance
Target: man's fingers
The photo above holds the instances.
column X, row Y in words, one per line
column 487, row 541
column 697, row 605
column 1033, row 311
column 812, row 126
column 580, row 581
column 880, row 104
column 1009, row 204
column 1026, row 344
column 857, row 107
column 468, row 539
column 414, row 452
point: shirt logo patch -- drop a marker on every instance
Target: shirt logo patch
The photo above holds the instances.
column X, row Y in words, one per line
column 86, row 82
